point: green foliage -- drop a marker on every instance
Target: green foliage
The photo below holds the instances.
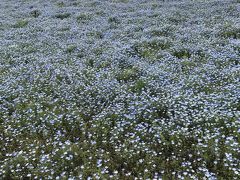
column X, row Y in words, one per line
column 120, row 1
column 150, row 49
column 84, row 18
column 177, row 18
column 95, row 34
column 128, row 74
column 113, row 20
column 161, row 32
column 188, row 65
column 71, row 48
column 182, row 54
column 35, row 13
column 137, row 90
column 63, row 16
column 229, row 30
column 138, row 86
column 90, row 62
column 64, row 29
column 231, row 33
column 60, row 4
column 21, row 24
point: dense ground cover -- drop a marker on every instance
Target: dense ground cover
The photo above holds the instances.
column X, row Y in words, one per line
column 119, row 89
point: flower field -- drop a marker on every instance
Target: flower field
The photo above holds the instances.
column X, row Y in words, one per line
column 120, row 89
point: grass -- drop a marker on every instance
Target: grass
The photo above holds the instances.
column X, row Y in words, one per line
column 21, row 24
column 35, row 13
column 84, row 18
column 182, row 54
column 149, row 49
column 63, row 16
column 71, row 48
column 128, row 74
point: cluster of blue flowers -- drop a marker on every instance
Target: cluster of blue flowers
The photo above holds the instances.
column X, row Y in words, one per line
column 119, row 89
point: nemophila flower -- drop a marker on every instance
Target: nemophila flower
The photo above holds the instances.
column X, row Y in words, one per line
column 137, row 89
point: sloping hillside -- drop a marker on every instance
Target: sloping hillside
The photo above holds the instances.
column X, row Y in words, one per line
column 121, row 89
